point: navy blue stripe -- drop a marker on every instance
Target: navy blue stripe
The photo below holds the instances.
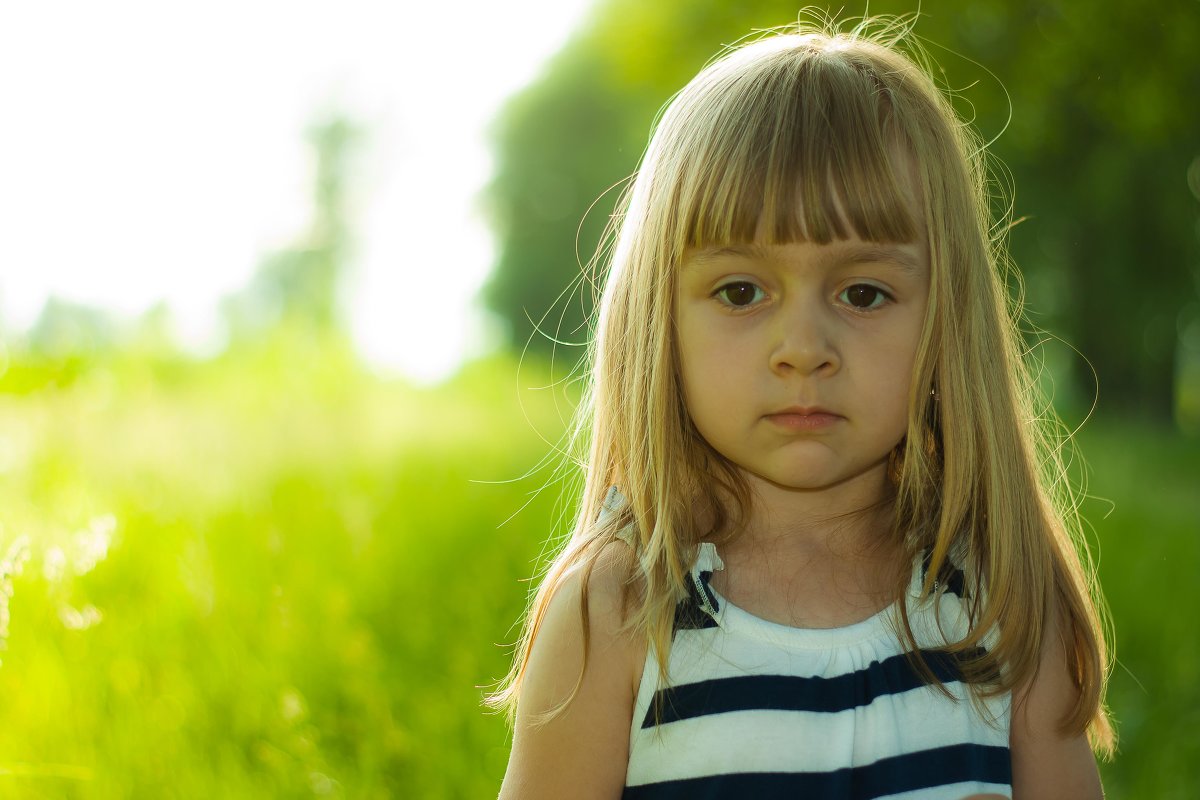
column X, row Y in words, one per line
column 893, row 675
column 940, row 766
column 690, row 613
column 690, row 617
column 954, row 583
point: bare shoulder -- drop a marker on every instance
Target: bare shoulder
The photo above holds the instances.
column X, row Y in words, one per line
column 1046, row 762
column 583, row 751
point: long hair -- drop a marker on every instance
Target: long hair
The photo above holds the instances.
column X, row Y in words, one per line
column 769, row 140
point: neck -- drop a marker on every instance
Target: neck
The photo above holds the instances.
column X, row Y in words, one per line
column 813, row 558
column 849, row 518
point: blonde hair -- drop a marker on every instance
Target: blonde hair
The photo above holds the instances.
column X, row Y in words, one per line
column 769, row 139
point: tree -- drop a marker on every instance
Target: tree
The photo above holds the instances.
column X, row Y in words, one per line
column 301, row 284
column 65, row 329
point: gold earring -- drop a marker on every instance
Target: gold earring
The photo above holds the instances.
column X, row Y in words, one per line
column 932, row 429
column 929, row 443
column 895, row 464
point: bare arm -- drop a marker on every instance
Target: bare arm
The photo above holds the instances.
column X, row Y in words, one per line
column 584, row 751
column 1045, row 763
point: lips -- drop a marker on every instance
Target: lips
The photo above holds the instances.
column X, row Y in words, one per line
column 804, row 418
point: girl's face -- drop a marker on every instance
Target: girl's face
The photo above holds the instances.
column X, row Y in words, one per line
column 796, row 358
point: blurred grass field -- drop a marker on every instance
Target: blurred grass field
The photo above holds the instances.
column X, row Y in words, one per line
column 275, row 575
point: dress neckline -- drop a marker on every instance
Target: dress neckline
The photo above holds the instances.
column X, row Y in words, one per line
column 730, row 617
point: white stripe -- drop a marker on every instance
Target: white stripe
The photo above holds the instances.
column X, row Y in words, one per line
column 708, row 653
column 953, row 791
column 783, row 741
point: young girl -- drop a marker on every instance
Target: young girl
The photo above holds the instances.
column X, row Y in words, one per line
column 822, row 549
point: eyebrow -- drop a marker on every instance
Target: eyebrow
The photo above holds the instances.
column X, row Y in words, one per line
column 715, row 252
column 876, row 254
column 707, row 254
column 864, row 253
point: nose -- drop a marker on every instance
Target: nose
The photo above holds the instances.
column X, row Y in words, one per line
column 804, row 343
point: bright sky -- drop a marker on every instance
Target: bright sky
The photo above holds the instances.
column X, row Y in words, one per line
column 154, row 151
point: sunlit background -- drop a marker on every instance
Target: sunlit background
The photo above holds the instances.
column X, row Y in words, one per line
column 154, row 153
column 286, row 331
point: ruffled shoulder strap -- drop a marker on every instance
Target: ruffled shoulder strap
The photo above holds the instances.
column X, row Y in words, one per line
column 950, row 578
column 613, row 504
column 699, row 609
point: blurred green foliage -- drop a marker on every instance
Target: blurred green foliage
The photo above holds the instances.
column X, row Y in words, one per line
column 1093, row 108
column 302, row 285
column 266, row 575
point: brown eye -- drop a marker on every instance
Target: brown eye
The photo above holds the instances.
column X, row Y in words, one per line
column 864, row 295
column 739, row 294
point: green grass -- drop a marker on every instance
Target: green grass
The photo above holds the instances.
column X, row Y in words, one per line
column 1145, row 510
column 311, row 574
column 305, row 589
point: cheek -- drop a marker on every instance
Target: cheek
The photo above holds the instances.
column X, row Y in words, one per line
column 709, row 375
column 695, row 370
column 713, row 357
column 693, row 348
column 895, row 364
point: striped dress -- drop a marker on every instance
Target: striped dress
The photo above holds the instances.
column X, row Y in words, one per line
column 755, row 709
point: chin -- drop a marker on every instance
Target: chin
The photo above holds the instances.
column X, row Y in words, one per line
column 812, row 479
column 796, row 481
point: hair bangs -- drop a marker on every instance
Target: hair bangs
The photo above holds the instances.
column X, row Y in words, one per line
column 803, row 148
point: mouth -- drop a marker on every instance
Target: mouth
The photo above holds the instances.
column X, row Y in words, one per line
column 804, row 418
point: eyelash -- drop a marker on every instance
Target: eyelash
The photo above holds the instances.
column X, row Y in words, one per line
column 722, row 297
